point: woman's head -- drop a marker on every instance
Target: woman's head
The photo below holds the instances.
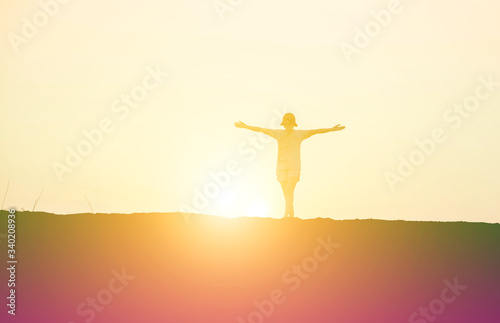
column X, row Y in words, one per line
column 288, row 121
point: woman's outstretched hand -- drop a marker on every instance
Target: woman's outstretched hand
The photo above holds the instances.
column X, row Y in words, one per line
column 240, row 124
column 338, row 127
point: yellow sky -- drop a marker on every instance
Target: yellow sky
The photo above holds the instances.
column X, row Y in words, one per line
column 261, row 60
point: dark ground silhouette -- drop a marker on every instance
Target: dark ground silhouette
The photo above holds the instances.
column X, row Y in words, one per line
column 215, row 269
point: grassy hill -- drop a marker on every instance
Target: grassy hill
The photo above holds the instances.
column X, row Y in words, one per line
column 172, row 267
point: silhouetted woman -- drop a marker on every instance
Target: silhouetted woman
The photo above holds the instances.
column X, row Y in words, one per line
column 289, row 140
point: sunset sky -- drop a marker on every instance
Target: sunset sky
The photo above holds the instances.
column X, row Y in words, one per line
column 195, row 70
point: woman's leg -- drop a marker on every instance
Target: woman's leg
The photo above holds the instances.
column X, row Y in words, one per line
column 289, row 194
column 283, row 187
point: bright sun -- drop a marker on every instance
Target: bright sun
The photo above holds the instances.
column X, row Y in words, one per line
column 228, row 204
column 258, row 209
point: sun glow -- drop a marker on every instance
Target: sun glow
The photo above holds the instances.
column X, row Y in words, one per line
column 258, row 209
